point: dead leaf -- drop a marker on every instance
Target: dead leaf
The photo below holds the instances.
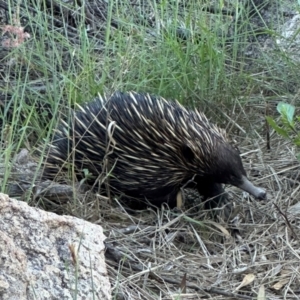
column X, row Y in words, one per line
column 249, row 278
column 183, row 284
column 179, row 200
column 261, row 293
column 279, row 285
column 220, row 227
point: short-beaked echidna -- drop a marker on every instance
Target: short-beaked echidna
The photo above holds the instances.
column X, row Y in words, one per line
column 151, row 148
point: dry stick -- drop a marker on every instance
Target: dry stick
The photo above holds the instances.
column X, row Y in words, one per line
column 113, row 252
column 267, row 128
column 286, row 220
column 200, row 289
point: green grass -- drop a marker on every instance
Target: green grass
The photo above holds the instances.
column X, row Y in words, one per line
column 51, row 72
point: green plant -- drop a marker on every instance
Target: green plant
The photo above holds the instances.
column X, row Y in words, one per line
column 288, row 123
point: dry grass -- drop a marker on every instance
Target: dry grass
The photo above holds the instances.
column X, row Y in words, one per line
column 163, row 254
column 182, row 255
column 172, row 254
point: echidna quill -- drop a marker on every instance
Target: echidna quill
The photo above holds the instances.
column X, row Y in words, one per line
column 150, row 147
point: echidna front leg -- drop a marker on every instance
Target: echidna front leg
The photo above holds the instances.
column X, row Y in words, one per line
column 215, row 197
column 137, row 200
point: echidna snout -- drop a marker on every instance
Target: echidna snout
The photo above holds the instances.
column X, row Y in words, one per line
column 255, row 191
column 228, row 168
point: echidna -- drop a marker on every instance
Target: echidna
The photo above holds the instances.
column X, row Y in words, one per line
column 149, row 148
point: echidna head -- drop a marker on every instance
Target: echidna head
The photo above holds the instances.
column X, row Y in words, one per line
column 228, row 169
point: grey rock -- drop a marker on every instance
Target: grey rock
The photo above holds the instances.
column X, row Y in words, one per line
column 47, row 256
column 289, row 40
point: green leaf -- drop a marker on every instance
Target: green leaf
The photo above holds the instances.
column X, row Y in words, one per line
column 296, row 141
column 278, row 129
column 287, row 111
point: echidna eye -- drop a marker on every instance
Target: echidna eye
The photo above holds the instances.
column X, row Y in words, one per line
column 237, row 149
column 187, row 153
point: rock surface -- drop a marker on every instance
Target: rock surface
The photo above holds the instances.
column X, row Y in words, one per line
column 289, row 38
column 46, row 256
